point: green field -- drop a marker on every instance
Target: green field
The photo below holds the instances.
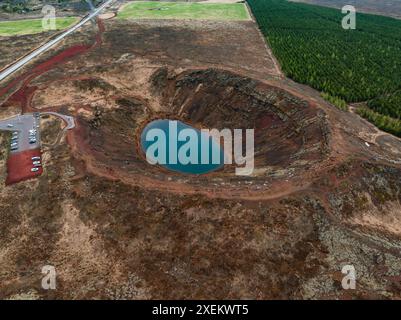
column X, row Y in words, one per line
column 184, row 10
column 31, row 26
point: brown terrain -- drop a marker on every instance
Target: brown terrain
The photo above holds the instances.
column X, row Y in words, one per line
column 325, row 192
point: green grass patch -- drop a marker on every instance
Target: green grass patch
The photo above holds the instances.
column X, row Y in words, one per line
column 31, row 26
column 184, row 10
column 338, row 102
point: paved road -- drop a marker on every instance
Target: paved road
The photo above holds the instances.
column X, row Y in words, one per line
column 67, row 119
column 70, row 124
column 20, row 63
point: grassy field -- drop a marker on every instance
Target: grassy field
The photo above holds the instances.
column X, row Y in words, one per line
column 184, row 10
column 30, row 26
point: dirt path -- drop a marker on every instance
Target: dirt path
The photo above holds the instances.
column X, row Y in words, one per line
column 279, row 72
column 378, row 133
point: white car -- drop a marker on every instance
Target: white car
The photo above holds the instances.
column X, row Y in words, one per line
column 34, row 169
column 10, row 125
column 36, row 162
column 35, row 158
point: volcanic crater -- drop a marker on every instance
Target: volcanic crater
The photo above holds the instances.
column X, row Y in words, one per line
column 289, row 132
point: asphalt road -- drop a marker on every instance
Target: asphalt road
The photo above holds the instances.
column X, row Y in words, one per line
column 20, row 63
column 67, row 119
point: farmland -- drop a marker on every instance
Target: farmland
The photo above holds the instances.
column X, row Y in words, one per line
column 314, row 49
column 31, row 26
column 184, row 10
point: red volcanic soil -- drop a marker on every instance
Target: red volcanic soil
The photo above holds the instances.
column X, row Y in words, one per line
column 19, row 166
column 23, row 95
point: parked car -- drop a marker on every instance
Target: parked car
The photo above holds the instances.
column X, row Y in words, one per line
column 35, row 169
column 10, row 125
column 36, row 162
column 35, row 158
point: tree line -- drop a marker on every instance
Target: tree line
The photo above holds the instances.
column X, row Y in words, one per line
column 346, row 65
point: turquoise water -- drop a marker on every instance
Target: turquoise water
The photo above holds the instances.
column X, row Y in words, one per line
column 194, row 155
